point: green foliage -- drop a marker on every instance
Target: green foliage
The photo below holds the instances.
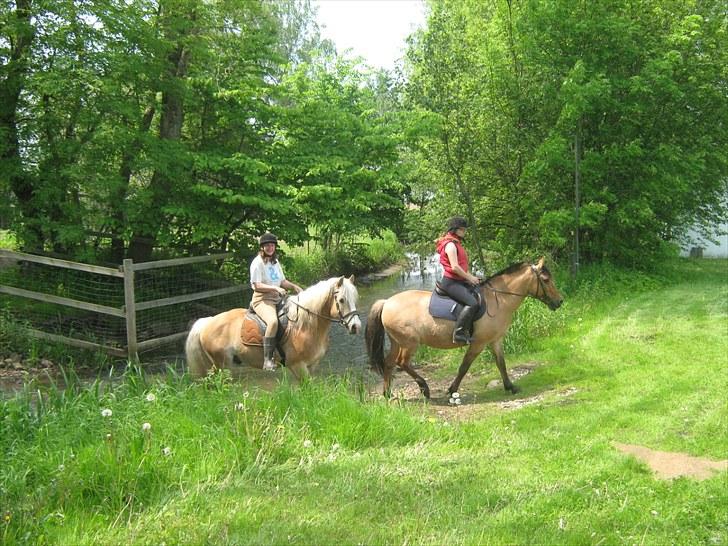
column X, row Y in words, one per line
column 311, row 263
column 193, row 128
column 511, row 85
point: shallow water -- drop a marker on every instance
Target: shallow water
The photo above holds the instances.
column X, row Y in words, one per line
column 348, row 352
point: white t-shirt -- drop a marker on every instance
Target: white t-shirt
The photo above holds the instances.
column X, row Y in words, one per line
column 265, row 272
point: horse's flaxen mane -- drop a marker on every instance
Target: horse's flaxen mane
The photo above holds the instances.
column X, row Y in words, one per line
column 315, row 296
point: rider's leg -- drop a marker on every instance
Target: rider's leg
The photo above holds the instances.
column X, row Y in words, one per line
column 463, row 325
column 461, row 292
column 267, row 311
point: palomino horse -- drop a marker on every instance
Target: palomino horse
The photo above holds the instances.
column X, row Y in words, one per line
column 215, row 342
column 406, row 319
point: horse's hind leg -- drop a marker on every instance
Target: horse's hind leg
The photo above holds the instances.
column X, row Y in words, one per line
column 404, row 362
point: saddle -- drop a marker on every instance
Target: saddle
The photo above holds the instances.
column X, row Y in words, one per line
column 444, row 307
column 253, row 329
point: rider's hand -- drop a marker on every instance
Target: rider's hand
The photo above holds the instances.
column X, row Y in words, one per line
column 282, row 291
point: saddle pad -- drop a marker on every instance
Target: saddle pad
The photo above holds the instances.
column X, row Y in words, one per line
column 444, row 308
column 253, row 329
column 448, row 309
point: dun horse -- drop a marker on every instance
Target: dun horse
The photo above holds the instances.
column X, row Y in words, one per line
column 216, row 342
column 405, row 318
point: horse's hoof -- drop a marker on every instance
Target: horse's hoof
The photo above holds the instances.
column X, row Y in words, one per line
column 426, row 393
column 513, row 389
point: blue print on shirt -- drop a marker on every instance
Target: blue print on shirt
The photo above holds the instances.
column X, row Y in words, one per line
column 273, row 273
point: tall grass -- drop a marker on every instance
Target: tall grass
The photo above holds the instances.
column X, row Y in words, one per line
column 227, row 463
column 112, row 452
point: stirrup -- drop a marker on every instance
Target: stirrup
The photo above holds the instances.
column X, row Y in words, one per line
column 461, row 336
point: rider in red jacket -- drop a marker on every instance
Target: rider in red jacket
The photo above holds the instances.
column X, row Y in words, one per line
column 457, row 281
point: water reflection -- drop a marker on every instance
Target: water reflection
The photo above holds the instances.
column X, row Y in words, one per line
column 347, row 352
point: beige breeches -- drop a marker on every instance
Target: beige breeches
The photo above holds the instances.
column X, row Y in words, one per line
column 267, row 311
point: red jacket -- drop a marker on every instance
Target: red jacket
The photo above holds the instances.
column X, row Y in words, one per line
column 445, row 261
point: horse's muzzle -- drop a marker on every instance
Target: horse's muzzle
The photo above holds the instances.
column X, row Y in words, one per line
column 354, row 325
column 555, row 304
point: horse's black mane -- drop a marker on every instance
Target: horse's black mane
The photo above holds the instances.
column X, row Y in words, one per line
column 512, row 269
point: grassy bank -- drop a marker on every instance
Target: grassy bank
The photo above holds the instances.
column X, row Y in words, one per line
column 225, row 463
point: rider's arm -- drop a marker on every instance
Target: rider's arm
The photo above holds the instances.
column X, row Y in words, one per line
column 262, row 287
column 291, row 286
column 452, row 256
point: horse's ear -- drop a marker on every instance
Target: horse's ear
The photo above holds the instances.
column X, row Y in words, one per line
column 340, row 282
column 352, row 279
column 539, row 264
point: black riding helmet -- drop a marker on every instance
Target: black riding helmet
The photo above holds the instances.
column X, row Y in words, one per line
column 456, row 222
column 268, row 237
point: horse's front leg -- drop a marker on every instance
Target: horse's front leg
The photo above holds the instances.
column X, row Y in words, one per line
column 300, row 371
column 500, row 361
column 473, row 351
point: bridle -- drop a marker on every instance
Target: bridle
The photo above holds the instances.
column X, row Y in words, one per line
column 539, row 289
column 342, row 319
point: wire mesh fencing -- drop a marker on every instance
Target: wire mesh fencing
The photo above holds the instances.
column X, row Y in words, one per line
column 124, row 310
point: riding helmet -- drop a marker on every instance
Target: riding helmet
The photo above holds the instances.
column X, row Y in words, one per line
column 456, row 222
column 268, row 237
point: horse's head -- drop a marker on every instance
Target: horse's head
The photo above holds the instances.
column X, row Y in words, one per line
column 343, row 307
column 545, row 289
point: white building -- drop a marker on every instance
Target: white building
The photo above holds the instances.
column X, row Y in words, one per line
column 708, row 249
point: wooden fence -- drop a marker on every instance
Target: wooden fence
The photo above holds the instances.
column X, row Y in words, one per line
column 128, row 311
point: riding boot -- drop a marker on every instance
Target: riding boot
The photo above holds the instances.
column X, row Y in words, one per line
column 463, row 325
column 269, row 347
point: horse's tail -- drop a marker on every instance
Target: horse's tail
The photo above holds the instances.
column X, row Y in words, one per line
column 374, row 334
column 198, row 360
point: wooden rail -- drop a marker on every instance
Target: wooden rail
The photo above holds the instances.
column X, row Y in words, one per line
column 128, row 311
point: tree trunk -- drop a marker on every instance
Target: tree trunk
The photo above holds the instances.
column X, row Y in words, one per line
column 170, row 128
column 11, row 164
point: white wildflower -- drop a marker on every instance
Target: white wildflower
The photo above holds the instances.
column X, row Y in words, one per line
column 456, row 395
column 151, row 397
column 146, row 427
column 239, row 406
column 335, row 447
column 458, row 401
column 246, row 394
column 452, row 401
column 307, row 444
column 106, row 412
column 61, row 468
column 166, row 451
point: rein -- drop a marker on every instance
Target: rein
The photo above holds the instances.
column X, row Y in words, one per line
column 343, row 319
column 496, row 291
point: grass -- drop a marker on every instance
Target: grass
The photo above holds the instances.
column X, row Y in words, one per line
column 327, row 464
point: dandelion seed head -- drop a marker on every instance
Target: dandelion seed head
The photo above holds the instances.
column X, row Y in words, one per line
column 106, row 412
column 150, row 397
column 166, row 451
column 146, row 427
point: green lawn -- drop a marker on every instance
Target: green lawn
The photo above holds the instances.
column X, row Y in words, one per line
column 644, row 362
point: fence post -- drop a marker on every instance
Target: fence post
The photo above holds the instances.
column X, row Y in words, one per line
column 130, row 310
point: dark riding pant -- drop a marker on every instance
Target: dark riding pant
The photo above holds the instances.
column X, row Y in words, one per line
column 460, row 291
